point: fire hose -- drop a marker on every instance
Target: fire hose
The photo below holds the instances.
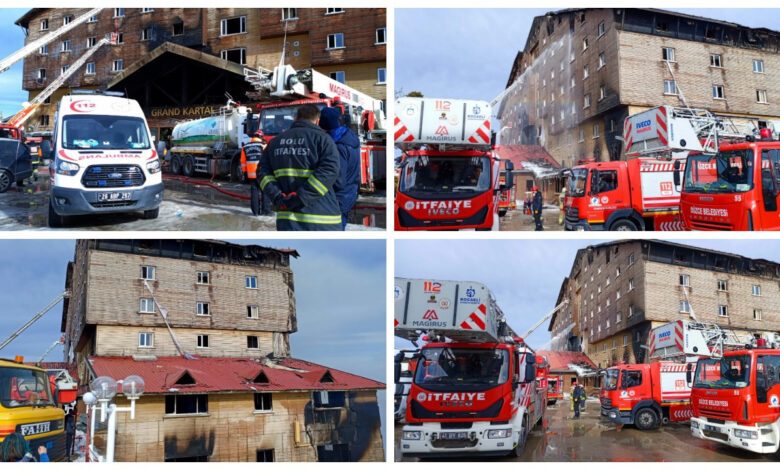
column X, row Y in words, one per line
column 209, row 184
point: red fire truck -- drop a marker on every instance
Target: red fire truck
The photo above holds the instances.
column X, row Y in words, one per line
column 476, row 389
column 637, row 194
column 554, row 389
column 647, row 395
column 736, row 394
column 449, row 176
column 736, row 188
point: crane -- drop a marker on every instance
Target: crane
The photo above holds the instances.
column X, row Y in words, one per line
column 49, row 349
column 19, row 118
column 544, row 318
column 34, row 319
column 33, row 46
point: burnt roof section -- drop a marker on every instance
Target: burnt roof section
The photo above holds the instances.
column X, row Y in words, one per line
column 214, row 251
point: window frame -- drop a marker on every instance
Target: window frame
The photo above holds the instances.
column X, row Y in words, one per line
column 262, row 396
column 223, row 54
column 145, row 300
column 384, row 36
column 257, row 342
column 342, row 72
column 379, row 80
column 146, row 267
column 200, row 341
column 665, row 52
column 756, row 290
column 759, row 93
column 247, row 282
column 289, row 10
column 721, row 90
column 761, row 65
column 199, row 278
column 723, row 311
column 114, row 65
column 338, row 11
column 223, row 23
column 336, row 46
column 199, row 309
column 716, row 58
column 196, row 396
column 673, row 86
column 146, row 334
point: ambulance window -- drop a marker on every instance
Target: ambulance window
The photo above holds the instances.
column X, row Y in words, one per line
column 630, row 378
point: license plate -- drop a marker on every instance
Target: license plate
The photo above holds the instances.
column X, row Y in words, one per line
column 32, row 429
column 707, row 427
column 113, row 196
column 454, row 435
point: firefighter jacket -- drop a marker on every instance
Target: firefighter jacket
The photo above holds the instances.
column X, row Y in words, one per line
column 347, row 184
column 250, row 158
column 303, row 160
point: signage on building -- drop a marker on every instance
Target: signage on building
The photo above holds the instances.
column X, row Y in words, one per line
column 184, row 112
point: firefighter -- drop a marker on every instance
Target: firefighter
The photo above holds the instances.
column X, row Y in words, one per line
column 536, row 208
column 561, row 202
column 250, row 158
column 577, row 399
column 299, row 168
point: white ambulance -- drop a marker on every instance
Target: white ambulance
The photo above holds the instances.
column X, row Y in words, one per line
column 103, row 159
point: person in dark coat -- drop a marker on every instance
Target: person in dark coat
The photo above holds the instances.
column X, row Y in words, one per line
column 578, row 399
column 299, row 168
column 348, row 143
column 70, row 434
column 536, row 208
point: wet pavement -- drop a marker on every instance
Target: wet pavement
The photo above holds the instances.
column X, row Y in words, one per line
column 185, row 206
column 517, row 221
column 560, row 438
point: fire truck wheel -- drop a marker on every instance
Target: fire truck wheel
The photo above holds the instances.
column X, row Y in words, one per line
column 176, row 165
column 646, row 419
column 624, row 225
column 502, row 212
column 6, row 179
column 520, row 448
column 188, row 166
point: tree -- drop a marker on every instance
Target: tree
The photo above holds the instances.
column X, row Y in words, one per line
column 415, row 94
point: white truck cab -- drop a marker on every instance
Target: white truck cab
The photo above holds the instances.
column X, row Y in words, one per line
column 103, row 159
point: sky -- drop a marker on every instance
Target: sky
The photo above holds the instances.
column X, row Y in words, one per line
column 339, row 291
column 476, row 65
column 525, row 275
column 11, row 39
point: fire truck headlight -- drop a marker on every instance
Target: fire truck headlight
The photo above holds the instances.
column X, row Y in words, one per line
column 412, row 435
column 153, row 167
column 612, row 415
column 499, row 433
column 694, row 425
column 67, row 168
column 746, row 434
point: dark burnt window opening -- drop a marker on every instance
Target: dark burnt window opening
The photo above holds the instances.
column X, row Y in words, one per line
column 185, row 379
column 327, row 377
column 264, row 402
column 326, row 399
column 186, row 404
column 261, row 378
column 200, row 249
column 252, row 342
column 178, row 28
column 265, row 455
column 333, row 453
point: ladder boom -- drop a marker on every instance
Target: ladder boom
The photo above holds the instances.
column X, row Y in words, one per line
column 32, row 47
column 32, row 320
column 544, row 318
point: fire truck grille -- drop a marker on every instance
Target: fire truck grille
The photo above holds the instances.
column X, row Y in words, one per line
column 113, row 176
column 606, row 402
column 708, row 225
column 419, row 412
column 717, row 435
column 406, row 220
column 453, row 443
column 717, row 414
column 455, row 425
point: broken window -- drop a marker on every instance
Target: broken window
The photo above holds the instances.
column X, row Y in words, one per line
column 251, row 342
column 326, row 399
column 178, row 28
column 252, row 311
column 186, row 404
column 146, row 34
column 147, row 272
column 265, row 455
column 234, row 55
column 203, row 277
column 233, row 26
column 263, row 402
column 667, row 54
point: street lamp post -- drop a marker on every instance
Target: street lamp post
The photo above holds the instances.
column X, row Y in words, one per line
column 103, row 390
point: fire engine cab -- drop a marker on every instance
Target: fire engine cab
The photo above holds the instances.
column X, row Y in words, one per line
column 476, row 387
column 449, row 176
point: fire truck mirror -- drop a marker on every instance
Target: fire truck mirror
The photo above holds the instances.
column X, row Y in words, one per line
column 676, row 173
column 530, row 372
column 689, row 374
column 595, row 182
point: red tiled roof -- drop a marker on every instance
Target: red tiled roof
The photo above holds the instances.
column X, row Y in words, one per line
column 560, row 360
column 529, row 157
column 227, row 374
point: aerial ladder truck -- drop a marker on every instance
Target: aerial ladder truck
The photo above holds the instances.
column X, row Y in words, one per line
column 475, row 387
column 280, row 91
